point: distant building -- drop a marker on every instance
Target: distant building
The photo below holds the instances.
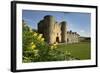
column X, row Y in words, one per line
column 72, row 37
column 56, row 32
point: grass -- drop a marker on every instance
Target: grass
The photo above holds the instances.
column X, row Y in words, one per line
column 80, row 50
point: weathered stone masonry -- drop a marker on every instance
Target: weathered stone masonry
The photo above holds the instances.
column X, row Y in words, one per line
column 56, row 32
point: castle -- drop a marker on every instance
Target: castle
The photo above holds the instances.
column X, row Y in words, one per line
column 56, row 32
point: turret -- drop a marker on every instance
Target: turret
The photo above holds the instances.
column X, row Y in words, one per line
column 49, row 21
column 63, row 31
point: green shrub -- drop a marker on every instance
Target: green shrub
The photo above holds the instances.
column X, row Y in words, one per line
column 35, row 49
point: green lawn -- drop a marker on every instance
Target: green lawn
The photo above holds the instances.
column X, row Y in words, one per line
column 81, row 50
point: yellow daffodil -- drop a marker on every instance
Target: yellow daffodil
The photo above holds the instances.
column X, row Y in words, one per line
column 51, row 47
column 35, row 34
column 33, row 46
column 40, row 35
column 54, row 44
column 32, row 43
column 39, row 38
column 42, row 39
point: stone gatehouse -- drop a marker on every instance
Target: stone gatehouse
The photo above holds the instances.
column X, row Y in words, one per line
column 56, row 32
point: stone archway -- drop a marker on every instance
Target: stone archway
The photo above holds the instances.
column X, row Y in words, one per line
column 67, row 40
column 57, row 39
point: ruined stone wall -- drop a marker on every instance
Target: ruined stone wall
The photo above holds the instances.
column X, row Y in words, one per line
column 72, row 37
column 56, row 32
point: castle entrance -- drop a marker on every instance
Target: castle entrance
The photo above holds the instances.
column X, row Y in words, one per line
column 67, row 40
column 57, row 39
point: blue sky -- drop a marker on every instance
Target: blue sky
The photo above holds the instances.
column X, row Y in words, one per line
column 77, row 22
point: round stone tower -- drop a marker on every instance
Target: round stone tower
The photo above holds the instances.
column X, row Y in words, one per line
column 49, row 21
column 63, row 31
column 40, row 26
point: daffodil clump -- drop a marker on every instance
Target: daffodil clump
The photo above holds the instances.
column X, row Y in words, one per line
column 53, row 46
column 33, row 42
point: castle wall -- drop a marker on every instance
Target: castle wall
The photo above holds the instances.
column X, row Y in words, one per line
column 72, row 37
column 56, row 32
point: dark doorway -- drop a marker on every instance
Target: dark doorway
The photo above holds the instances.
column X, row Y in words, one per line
column 57, row 39
column 67, row 40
